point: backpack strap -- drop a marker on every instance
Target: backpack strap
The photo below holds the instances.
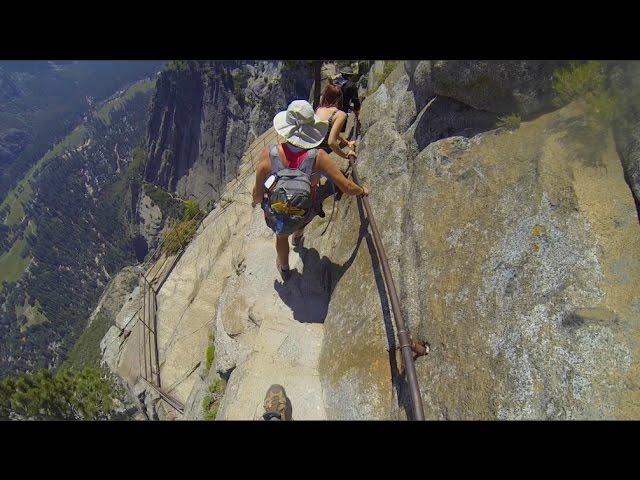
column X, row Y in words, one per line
column 309, row 162
column 331, row 120
column 306, row 166
column 276, row 164
column 340, row 81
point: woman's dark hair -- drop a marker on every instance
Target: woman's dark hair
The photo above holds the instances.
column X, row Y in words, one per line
column 331, row 97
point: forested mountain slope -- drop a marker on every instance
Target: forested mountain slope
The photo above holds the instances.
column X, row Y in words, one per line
column 42, row 101
column 69, row 230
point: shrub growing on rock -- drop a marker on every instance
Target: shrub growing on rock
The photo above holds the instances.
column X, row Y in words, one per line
column 179, row 236
column 211, row 402
column 586, row 81
column 510, row 122
column 577, row 80
column 210, row 355
column 191, row 209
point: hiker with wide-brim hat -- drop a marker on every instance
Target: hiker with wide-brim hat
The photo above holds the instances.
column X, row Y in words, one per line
column 287, row 177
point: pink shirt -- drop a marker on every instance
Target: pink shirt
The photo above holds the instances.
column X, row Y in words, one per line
column 293, row 157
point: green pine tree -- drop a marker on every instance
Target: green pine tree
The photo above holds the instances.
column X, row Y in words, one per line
column 68, row 395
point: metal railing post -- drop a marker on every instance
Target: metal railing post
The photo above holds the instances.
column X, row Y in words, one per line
column 155, row 336
column 144, row 330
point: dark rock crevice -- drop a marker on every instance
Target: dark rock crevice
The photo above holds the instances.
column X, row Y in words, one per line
column 447, row 117
column 627, row 140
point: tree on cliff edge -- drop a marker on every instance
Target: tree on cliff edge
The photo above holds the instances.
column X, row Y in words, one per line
column 68, row 395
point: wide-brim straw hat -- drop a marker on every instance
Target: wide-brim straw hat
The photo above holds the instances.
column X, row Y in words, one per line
column 300, row 126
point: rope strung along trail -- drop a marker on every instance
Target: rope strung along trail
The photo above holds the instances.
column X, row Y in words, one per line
column 407, row 346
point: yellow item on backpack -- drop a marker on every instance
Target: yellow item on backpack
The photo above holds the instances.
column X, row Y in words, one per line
column 284, row 209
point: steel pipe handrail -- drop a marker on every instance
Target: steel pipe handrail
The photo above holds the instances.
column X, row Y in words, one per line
column 408, row 348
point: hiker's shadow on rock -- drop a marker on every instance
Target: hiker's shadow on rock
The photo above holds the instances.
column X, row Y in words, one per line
column 307, row 306
column 324, row 273
column 308, row 293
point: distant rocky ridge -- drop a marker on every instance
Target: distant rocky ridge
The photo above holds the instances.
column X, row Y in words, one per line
column 203, row 116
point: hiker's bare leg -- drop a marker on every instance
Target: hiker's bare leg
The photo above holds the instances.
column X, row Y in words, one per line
column 282, row 249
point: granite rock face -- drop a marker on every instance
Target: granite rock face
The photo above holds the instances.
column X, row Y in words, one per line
column 111, row 302
column 441, row 99
column 517, row 257
column 203, row 118
column 628, row 141
column 625, row 78
column 523, row 87
column 116, row 293
column 502, row 87
column 151, row 222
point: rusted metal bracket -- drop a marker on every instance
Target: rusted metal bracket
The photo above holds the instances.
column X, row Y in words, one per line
column 171, row 401
column 420, row 348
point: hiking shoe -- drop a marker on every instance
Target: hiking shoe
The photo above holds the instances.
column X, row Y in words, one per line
column 275, row 403
column 285, row 272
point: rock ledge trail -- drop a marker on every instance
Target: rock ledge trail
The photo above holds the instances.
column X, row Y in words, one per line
column 284, row 344
column 266, row 332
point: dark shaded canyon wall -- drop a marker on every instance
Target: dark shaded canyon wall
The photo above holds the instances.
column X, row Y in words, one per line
column 205, row 115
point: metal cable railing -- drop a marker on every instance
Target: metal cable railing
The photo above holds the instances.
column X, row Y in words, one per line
column 148, row 350
column 259, row 143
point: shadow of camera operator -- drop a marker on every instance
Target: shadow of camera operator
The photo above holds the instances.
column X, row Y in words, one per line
column 308, row 293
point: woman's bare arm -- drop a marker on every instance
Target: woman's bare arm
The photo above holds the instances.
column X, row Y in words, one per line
column 331, row 170
column 262, row 172
column 335, row 139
